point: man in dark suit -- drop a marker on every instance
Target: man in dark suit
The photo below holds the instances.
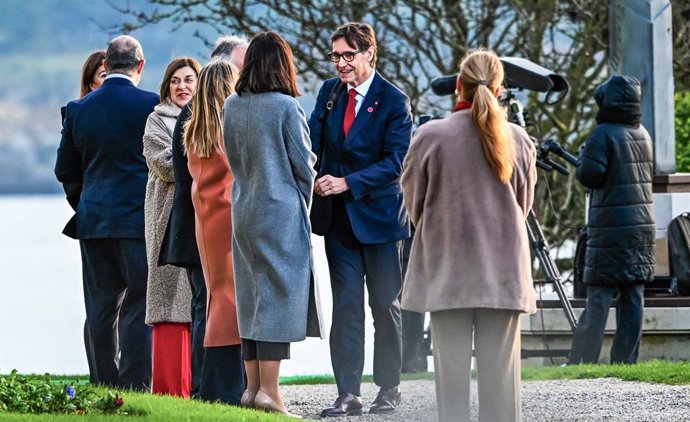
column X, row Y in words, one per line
column 101, row 148
column 361, row 142
column 217, row 371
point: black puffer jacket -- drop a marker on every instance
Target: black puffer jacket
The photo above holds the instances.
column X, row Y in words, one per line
column 617, row 165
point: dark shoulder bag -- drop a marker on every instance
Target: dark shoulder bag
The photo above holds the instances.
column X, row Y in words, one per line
column 322, row 207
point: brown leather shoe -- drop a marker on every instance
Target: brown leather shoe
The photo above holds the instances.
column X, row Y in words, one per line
column 347, row 404
column 386, row 401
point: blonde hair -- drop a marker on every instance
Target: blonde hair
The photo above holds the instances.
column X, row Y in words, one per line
column 204, row 129
column 481, row 74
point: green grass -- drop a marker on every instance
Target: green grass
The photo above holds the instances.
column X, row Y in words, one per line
column 656, row 371
column 147, row 407
column 328, row 379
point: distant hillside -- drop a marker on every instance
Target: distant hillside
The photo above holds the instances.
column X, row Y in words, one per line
column 43, row 45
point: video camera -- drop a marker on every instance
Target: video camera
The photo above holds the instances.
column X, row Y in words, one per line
column 523, row 74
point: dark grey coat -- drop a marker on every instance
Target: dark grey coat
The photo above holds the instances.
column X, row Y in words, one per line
column 267, row 142
column 617, row 164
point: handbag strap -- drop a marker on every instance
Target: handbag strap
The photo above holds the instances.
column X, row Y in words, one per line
column 334, row 94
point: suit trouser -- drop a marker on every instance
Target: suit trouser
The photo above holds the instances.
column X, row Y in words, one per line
column 353, row 265
column 115, row 273
column 414, row 356
column 497, row 343
column 196, row 280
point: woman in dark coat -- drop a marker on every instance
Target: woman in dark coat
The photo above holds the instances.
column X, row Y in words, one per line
column 617, row 165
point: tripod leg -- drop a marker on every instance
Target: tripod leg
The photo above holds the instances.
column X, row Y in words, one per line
column 548, row 265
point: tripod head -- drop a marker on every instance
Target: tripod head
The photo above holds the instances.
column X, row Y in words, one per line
column 525, row 119
column 522, row 74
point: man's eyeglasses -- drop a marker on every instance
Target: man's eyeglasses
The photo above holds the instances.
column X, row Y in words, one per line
column 348, row 56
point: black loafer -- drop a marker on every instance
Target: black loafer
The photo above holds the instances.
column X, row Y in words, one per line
column 386, row 401
column 347, row 404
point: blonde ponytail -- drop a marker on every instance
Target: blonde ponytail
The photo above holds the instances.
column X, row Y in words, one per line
column 481, row 74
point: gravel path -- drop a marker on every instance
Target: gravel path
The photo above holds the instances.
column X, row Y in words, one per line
column 606, row 399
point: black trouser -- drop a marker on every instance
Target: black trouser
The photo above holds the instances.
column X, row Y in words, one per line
column 198, row 284
column 414, row 357
column 414, row 354
column 264, row 350
column 589, row 336
column 222, row 377
column 352, row 265
column 115, row 273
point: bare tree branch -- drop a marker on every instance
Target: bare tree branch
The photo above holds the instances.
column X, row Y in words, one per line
column 419, row 40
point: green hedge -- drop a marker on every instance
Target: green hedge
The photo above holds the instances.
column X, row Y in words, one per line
column 682, row 122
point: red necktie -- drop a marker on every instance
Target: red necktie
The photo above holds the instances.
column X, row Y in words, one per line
column 350, row 111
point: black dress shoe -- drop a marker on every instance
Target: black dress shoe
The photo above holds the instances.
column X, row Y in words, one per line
column 386, row 401
column 347, row 404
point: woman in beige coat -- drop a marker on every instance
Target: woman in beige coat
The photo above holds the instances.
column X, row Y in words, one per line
column 168, row 292
column 468, row 182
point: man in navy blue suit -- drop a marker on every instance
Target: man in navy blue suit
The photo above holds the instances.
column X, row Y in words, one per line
column 101, row 150
column 361, row 138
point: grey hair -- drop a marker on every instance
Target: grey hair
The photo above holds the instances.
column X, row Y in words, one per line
column 123, row 53
column 226, row 44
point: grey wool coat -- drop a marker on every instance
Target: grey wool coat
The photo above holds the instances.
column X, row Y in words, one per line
column 470, row 248
column 168, row 292
column 267, row 143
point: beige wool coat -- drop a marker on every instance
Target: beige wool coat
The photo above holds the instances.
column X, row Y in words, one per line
column 471, row 248
column 168, row 292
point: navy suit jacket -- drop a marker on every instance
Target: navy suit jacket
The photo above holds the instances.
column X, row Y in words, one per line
column 370, row 159
column 101, row 149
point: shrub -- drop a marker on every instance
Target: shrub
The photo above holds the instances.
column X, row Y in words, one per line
column 682, row 123
column 20, row 394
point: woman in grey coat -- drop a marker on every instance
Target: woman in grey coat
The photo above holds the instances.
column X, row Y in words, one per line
column 267, row 142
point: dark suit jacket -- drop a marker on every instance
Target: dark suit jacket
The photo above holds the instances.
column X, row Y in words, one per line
column 72, row 193
column 179, row 244
column 102, row 149
column 370, row 158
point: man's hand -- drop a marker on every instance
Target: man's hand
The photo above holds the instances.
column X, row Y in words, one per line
column 329, row 185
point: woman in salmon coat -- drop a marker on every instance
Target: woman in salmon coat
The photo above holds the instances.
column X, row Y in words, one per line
column 211, row 185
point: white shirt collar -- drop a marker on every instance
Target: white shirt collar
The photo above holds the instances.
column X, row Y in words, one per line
column 120, row 75
column 363, row 88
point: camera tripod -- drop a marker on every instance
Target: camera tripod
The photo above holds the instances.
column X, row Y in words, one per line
column 548, row 266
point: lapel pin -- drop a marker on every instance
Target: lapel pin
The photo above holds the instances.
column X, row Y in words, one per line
column 370, row 109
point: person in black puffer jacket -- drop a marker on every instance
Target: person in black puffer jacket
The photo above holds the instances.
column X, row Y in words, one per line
column 617, row 165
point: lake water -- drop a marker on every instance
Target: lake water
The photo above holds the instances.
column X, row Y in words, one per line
column 41, row 298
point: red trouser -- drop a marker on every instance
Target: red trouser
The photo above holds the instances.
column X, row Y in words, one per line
column 172, row 373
